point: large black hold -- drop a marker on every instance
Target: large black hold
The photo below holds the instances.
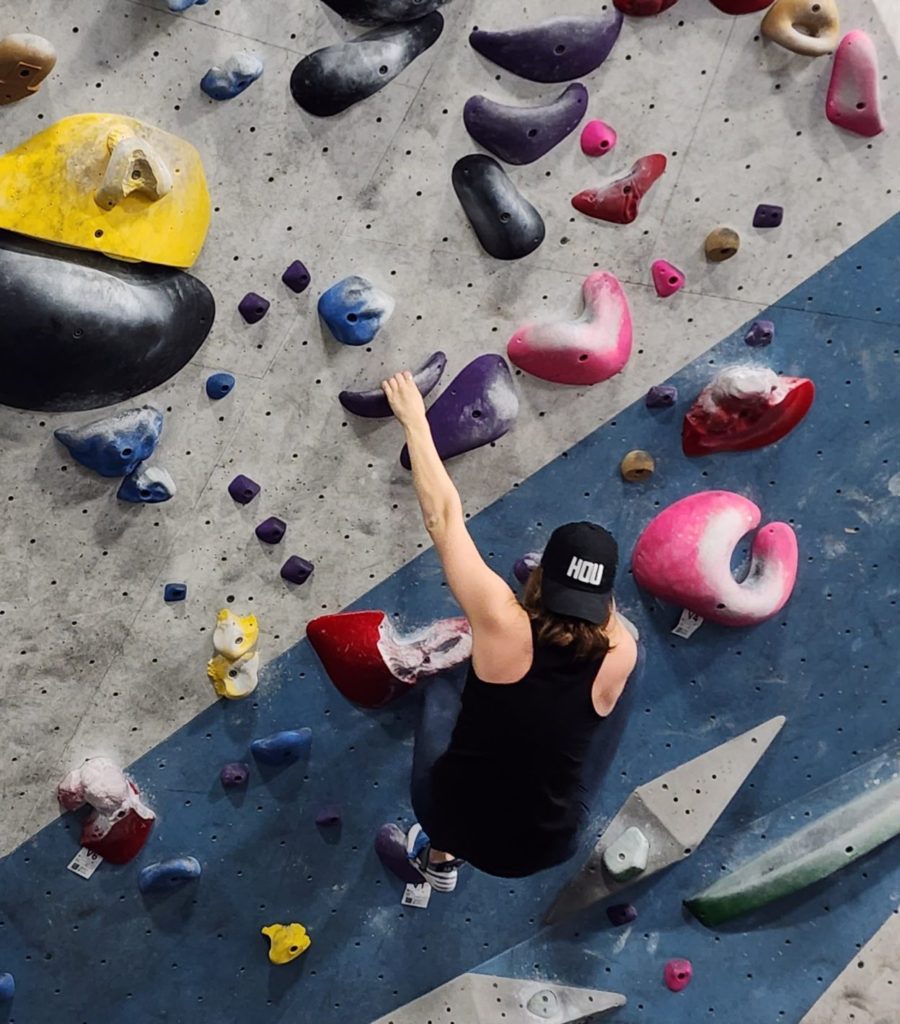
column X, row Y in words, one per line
column 383, row 12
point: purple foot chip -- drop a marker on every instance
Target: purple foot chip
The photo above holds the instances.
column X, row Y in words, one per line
column 296, row 570
column 271, row 530
column 621, row 913
column 253, row 307
column 661, row 396
column 329, row 816
column 760, row 334
column 390, row 845
column 296, row 277
column 234, row 774
column 243, row 489
column 478, row 406
column 373, row 404
column 767, row 216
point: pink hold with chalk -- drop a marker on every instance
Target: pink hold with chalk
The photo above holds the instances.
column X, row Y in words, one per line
column 852, row 101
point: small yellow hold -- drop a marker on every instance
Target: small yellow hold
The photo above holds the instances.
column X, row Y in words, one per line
column 286, row 942
column 234, row 679
column 235, row 635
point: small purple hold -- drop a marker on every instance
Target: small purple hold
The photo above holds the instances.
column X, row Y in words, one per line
column 296, row 569
column 271, row 530
column 175, row 592
column 621, row 913
column 390, row 845
column 234, row 774
column 253, row 307
column 243, row 489
column 329, row 816
column 767, row 216
column 661, row 396
column 526, row 565
column 296, row 277
column 760, row 334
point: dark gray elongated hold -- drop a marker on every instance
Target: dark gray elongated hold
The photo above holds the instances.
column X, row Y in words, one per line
column 82, row 331
column 520, row 135
column 557, row 50
column 331, row 79
column 383, row 12
column 373, row 404
column 506, row 224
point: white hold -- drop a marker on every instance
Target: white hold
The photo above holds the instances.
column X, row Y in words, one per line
column 102, row 784
column 440, row 646
column 627, row 856
column 743, row 383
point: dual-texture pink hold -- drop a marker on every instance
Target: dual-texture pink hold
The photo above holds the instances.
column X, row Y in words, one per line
column 684, row 556
column 852, row 101
column 597, row 138
column 585, row 351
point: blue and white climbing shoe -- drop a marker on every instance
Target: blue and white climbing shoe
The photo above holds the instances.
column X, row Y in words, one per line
column 441, row 877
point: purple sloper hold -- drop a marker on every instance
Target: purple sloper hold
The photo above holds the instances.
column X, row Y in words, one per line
column 526, row 565
column 328, row 816
column 243, row 489
column 768, row 216
column 760, row 334
column 661, row 396
column 479, row 405
column 271, row 530
column 521, row 135
column 253, row 307
column 234, row 774
column 390, row 845
column 557, row 50
column 621, row 913
column 296, row 570
column 297, row 277
column 372, row 403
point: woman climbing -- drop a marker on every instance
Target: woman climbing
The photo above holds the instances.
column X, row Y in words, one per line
column 501, row 770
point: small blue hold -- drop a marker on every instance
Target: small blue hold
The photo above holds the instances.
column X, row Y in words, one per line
column 760, row 334
column 7, row 987
column 182, row 5
column 354, row 310
column 175, row 592
column 233, row 77
column 168, row 874
column 282, row 747
column 218, row 385
column 117, row 445
column 148, row 486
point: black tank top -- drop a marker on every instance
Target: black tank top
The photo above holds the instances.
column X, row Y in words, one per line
column 509, row 788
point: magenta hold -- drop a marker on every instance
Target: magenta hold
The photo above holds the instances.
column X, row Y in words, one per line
column 621, row 913
column 296, row 570
column 677, row 974
column 253, row 307
column 760, row 334
column 329, row 816
column 296, row 277
column 234, row 774
column 271, row 530
column 767, row 216
column 667, row 279
column 597, row 138
column 661, row 396
column 243, row 489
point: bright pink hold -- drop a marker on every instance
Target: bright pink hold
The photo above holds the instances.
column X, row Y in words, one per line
column 597, row 138
column 677, row 974
column 666, row 279
column 620, row 201
column 852, row 101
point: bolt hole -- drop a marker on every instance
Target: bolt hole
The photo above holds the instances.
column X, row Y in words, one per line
column 98, row 233
column 352, row 318
column 559, row 49
column 532, row 132
column 860, row 106
column 383, row 70
column 505, row 217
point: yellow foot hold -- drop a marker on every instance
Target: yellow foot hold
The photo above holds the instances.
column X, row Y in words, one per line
column 286, row 942
column 25, row 61
column 235, row 634
column 134, row 167
column 234, row 679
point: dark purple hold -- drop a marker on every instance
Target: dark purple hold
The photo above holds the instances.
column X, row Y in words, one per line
column 760, row 334
column 243, row 489
column 234, row 774
column 253, row 307
column 526, row 565
column 329, row 816
column 768, row 216
column 373, row 403
column 621, row 913
column 390, row 845
column 661, row 396
column 271, row 530
column 296, row 277
column 296, row 569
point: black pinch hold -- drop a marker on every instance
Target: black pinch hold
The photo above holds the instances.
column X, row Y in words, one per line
column 383, row 12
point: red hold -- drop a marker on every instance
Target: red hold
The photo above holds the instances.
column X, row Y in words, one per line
column 123, row 841
column 620, row 202
column 741, row 6
column 677, row 974
column 644, row 8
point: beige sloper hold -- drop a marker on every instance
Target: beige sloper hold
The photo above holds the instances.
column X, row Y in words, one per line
column 134, row 167
column 808, row 27
column 721, row 244
column 637, row 465
column 25, row 61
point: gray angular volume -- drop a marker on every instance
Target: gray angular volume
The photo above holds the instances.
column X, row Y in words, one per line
column 332, row 79
column 383, row 12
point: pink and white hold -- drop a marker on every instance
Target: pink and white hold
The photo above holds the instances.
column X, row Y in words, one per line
column 852, row 101
column 588, row 350
column 684, row 556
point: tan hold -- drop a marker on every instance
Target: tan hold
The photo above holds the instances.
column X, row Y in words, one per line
column 721, row 244
column 133, row 167
column 637, row 465
column 808, row 27
column 25, row 61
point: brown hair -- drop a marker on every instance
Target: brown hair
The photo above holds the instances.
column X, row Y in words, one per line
column 587, row 640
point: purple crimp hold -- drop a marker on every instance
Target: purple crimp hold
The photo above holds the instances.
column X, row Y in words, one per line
column 296, row 277
column 768, row 216
column 271, row 530
column 330, row 815
column 234, row 774
column 761, row 333
column 621, row 913
column 296, row 569
column 253, row 307
column 526, row 565
column 243, row 489
column 661, row 396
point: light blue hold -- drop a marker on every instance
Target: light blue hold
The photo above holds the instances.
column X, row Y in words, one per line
column 354, row 310
column 168, row 874
column 7, row 987
column 147, row 485
column 218, row 385
column 182, row 5
column 117, row 445
column 282, row 747
column 233, row 77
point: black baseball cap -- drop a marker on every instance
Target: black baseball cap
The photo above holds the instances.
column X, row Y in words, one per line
column 579, row 564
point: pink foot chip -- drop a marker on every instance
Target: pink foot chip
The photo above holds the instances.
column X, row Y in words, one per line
column 852, row 100
column 666, row 279
column 597, row 138
column 677, row 974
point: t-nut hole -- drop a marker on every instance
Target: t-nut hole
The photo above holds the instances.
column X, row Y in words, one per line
column 135, row 174
column 861, row 105
column 98, row 233
column 673, row 280
column 126, row 452
column 583, row 357
column 144, row 493
column 626, row 190
column 560, row 48
column 383, row 70
column 78, row 332
column 476, row 414
column 604, row 144
column 24, row 72
column 505, row 217
column 532, row 132
column 352, row 318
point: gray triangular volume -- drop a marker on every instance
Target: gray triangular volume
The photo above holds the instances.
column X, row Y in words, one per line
column 675, row 811
column 489, row 999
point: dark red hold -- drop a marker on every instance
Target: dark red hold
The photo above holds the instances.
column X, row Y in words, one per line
column 243, row 489
column 123, row 841
column 347, row 646
column 296, row 277
column 644, row 8
column 620, row 202
column 253, row 307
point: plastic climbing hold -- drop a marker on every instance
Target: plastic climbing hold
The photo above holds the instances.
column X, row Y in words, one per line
column 661, row 396
column 7, row 987
column 296, row 277
column 47, row 193
column 297, row 570
column 234, row 679
column 334, row 78
column 644, row 8
column 390, row 845
column 253, row 307
column 768, row 216
column 182, row 5
column 745, row 407
column 218, row 385
column 25, row 61
column 370, row 664
column 243, row 489
column 148, row 485
column 590, row 349
column 282, row 747
column 271, row 530
column 372, row 402
column 811, row 29
column 684, row 556
column 621, row 913
column 174, row 592
column 232, row 78
column 557, row 50
column 526, row 565
column 597, row 138
column 620, row 202
column 852, row 101
column 134, row 168
column 667, row 279
column 637, row 465
column 506, row 224
column 521, row 135
column 234, row 774
column 383, row 12
column 677, row 974
column 329, row 816
column 760, row 333
column 721, row 244
column 477, row 407
column 235, row 635
column 116, row 445
column 286, row 942
column 626, row 857
column 168, row 874
column 740, row 6
column 355, row 310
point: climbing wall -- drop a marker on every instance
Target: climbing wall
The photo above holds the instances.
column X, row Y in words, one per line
column 98, row 664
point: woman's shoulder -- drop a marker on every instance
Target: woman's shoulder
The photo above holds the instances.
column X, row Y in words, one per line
column 502, row 652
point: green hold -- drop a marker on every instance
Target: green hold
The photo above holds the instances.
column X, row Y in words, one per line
column 814, row 852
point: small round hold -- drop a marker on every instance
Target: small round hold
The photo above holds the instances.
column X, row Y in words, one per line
column 253, row 307
column 218, row 385
column 174, row 592
column 637, row 465
column 234, row 774
column 721, row 244
column 677, row 974
column 7, row 987
column 621, row 913
column 760, row 334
